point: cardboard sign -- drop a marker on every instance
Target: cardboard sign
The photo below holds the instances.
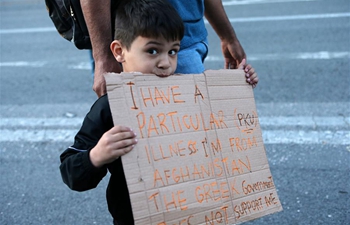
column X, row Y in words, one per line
column 200, row 157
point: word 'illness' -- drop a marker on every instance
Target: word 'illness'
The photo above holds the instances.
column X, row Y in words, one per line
column 191, row 147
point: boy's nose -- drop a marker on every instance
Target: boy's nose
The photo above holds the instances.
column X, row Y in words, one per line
column 164, row 62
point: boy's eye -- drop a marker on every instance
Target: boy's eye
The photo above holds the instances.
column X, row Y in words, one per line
column 152, row 51
column 173, row 52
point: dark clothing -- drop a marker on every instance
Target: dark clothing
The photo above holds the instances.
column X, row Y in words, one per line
column 80, row 175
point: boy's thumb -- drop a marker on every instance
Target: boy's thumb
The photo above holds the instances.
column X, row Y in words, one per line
column 241, row 65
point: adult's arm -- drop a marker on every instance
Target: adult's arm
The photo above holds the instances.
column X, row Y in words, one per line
column 231, row 48
column 97, row 16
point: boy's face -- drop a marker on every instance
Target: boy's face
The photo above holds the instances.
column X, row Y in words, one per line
column 148, row 55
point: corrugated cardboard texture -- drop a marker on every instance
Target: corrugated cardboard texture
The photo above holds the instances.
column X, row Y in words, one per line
column 200, row 158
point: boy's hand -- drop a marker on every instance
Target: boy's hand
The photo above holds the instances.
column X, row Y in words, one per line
column 116, row 142
column 250, row 74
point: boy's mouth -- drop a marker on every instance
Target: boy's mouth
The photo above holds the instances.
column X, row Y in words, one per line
column 163, row 72
column 163, row 75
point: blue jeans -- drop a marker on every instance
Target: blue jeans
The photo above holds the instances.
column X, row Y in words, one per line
column 92, row 63
column 191, row 59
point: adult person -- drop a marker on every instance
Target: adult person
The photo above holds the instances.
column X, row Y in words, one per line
column 193, row 46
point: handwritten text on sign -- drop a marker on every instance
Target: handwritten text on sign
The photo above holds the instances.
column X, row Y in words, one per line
column 200, row 158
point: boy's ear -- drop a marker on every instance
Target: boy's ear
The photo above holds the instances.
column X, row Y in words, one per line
column 117, row 50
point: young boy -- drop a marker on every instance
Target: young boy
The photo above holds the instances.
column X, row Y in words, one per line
column 147, row 39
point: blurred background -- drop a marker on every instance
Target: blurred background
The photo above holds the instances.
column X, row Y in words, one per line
column 300, row 50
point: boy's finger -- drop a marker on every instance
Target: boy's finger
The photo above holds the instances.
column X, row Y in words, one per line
column 121, row 144
column 119, row 128
column 123, row 151
column 247, row 68
column 252, row 71
column 126, row 135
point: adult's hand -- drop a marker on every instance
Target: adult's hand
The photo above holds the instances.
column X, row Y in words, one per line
column 231, row 48
column 97, row 15
column 233, row 53
column 101, row 68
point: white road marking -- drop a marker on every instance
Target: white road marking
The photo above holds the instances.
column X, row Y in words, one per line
column 322, row 55
column 292, row 17
column 315, row 121
column 23, row 64
column 28, row 30
column 232, row 20
column 250, row 2
column 52, row 135
column 40, row 122
column 339, row 137
column 285, row 130
column 287, row 56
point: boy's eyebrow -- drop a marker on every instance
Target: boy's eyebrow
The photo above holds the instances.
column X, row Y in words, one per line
column 158, row 43
column 153, row 43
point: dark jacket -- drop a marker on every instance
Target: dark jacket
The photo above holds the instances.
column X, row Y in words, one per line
column 80, row 175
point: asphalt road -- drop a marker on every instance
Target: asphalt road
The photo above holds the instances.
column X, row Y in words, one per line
column 301, row 51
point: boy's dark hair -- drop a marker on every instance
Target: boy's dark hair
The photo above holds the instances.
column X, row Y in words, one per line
column 146, row 18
